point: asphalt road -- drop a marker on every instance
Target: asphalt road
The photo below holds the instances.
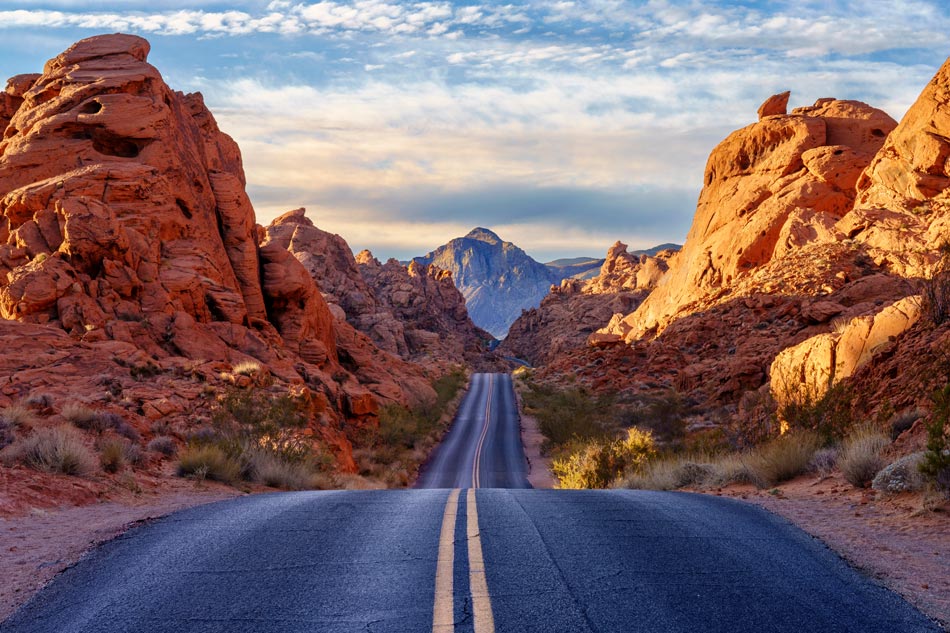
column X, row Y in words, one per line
column 469, row 560
column 483, row 447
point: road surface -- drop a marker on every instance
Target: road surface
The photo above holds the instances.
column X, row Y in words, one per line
column 483, row 447
column 447, row 560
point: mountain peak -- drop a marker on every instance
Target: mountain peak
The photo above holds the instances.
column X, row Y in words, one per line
column 483, row 235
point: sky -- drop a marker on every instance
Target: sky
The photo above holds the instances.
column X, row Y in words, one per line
column 564, row 126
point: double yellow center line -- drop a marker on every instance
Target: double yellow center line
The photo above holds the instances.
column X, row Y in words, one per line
column 476, row 462
column 443, row 611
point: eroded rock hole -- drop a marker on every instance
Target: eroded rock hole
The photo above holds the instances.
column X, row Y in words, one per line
column 878, row 133
column 91, row 107
column 185, row 211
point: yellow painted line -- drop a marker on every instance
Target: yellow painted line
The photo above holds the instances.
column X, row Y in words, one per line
column 443, row 610
column 476, row 468
column 481, row 601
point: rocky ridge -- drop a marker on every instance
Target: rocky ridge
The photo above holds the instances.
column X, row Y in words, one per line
column 572, row 311
column 128, row 248
column 414, row 312
column 812, row 236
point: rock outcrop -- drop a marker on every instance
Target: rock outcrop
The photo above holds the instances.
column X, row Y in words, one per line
column 125, row 231
column 570, row 315
column 770, row 188
column 414, row 312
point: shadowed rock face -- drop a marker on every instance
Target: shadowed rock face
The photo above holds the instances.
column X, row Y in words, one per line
column 413, row 312
column 497, row 279
column 125, row 224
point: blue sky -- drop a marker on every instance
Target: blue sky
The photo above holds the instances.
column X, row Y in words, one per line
column 563, row 125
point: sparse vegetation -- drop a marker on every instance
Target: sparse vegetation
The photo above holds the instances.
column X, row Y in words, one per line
column 17, row 415
column 824, row 461
column 55, row 450
column 164, row 445
column 936, row 460
column 393, row 452
column 829, row 415
column 112, row 455
column 208, row 462
column 935, row 289
column 571, row 414
column 247, row 368
column 84, row 418
column 783, row 458
column 860, row 458
column 597, row 463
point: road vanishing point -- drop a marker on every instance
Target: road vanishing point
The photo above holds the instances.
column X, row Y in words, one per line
column 472, row 549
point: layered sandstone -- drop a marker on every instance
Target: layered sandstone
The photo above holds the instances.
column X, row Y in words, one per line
column 127, row 239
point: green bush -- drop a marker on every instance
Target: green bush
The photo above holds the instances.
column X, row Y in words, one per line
column 208, row 462
column 936, row 462
column 598, row 463
column 56, row 450
column 830, row 415
column 664, row 416
column 860, row 458
column 572, row 414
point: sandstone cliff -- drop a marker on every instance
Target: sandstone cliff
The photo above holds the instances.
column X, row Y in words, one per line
column 414, row 312
column 575, row 309
column 127, row 240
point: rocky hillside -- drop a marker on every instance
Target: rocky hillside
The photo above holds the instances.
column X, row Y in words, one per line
column 132, row 277
column 574, row 310
column 414, row 312
column 814, row 232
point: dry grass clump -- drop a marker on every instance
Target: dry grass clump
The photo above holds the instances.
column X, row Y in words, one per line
column 824, row 461
column 82, row 417
column 672, row 473
column 247, row 368
column 164, row 445
column 208, row 462
column 17, row 415
column 783, row 458
column 860, row 458
column 54, row 450
column 112, row 456
column 264, row 467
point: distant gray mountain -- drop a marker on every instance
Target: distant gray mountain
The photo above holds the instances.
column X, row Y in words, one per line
column 499, row 280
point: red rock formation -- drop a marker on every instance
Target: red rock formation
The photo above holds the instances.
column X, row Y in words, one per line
column 572, row 312
column 413, row 312
column 770, row 188
column 124, row 222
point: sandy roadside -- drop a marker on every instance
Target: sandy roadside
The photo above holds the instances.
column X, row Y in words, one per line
column 539, row 466
column 39, row 544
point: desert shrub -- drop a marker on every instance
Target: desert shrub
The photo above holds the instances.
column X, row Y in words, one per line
column 7, row 436
column 84, row 418
column 935, row 289
column 17, row 415
column 255, row 417
column 901, row 476
column 824, row 460
column 39, row 400
column 936, row 462
column 55, row 450
column 266, row 468
column 119, row 424
column 754, row 421
column 247, row 368
column 664, row 416
column 734, row 469
column 571, row 414
column 203, row 435
column 112, row 455
column 671, row 473
column 208, row 462
column 597, row 463
column 783, row 458
column 829, row 415
column 164, row 445
column 860, row 458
